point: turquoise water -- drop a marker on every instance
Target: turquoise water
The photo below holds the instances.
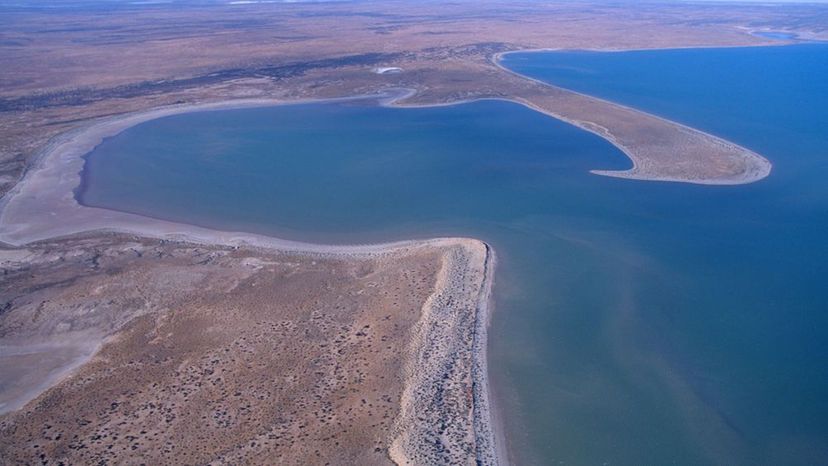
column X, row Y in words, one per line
column 635, row 322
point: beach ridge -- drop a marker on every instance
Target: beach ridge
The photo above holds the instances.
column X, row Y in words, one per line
column 445, row 415
column 694, row 156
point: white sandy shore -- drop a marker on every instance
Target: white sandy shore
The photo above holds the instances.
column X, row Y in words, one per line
column 445, row 415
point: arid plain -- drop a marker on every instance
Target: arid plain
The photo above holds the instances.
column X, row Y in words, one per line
column 122, row 347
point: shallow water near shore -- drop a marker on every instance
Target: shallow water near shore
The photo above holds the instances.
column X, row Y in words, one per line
column 634, row 322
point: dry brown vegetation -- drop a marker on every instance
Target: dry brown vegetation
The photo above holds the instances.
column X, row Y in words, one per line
column 220, row 353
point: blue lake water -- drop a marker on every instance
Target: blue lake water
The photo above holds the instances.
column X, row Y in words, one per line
column 635, row 322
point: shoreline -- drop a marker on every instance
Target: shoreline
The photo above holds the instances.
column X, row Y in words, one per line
column 445, row 410
column 767, row 43
column 761, row 167
column 59, row 166
column 80, row 141
column 44, row 205
column 487, row 424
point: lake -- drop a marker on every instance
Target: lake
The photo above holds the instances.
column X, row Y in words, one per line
column 635, row 322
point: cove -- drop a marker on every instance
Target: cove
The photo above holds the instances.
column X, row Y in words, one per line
column 634, row 322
